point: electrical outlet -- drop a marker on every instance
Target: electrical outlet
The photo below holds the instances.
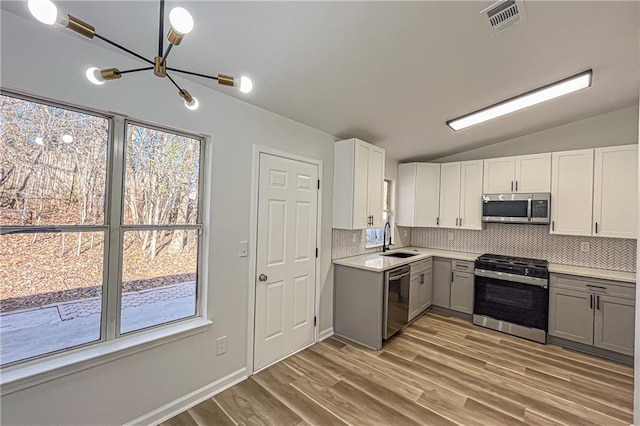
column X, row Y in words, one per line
column 221, row 345
column 585, row 247
column 363, row 237
column 406, row 233
column 242, row 249
column 450, row 236
column 355, row 237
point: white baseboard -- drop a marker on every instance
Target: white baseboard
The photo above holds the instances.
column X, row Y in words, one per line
column 325, row 334
column 183, row 403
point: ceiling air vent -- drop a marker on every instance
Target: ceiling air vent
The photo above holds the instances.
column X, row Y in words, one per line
column 503, row 14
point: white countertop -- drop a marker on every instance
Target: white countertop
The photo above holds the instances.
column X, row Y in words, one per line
column 375, row 262
column 605, row 274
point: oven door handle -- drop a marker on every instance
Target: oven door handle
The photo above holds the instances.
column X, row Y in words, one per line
column 505, row 276
column 528, row 209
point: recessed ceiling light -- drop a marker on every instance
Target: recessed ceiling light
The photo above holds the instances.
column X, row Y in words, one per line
column 67, row 138
column 534, row 97
column 39, row 141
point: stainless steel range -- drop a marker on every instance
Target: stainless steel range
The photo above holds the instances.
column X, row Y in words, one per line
column 512, row 295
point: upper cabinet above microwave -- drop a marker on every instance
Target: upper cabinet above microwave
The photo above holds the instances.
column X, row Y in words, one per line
column 358, row 181
column 523, row 173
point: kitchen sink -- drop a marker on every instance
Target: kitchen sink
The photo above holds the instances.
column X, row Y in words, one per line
column 401, row 255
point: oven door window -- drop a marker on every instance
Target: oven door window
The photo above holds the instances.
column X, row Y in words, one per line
column 522, row 304
column 505, row 208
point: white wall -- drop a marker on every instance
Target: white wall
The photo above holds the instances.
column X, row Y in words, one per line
column 51, row 63
column 615, row 128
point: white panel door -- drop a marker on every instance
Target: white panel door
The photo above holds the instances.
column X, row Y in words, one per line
column 471, row 195
column 533, row 173
column 427, row 195
column 449, row 195
column 360, row 186
column 572, row 192
column 499, row 175
column 615, row 192
column 376, row 186
column 286, row 259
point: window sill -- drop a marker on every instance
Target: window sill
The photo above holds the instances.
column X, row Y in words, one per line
column 38, row 371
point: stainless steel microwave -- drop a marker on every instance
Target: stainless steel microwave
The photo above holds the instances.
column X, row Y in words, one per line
column 516, row 208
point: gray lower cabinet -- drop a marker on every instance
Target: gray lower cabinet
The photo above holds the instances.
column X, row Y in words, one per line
column 462, row 292
column 613, row 326
column 441, row 282
column 571, row 315
column 420, row 287
column 593, row 312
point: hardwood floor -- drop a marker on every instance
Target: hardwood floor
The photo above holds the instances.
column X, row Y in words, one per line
column 438, row 371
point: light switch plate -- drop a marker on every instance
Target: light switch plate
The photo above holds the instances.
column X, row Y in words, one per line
column 242, row 249
column 585, row 247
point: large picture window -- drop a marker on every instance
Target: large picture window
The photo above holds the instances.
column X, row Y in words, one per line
column 84, row 216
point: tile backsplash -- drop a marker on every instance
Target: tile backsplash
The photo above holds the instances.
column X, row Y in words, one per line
column 345, row 242
column 532, row 241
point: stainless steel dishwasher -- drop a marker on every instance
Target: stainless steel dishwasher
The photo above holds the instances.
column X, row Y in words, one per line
column 396, row 300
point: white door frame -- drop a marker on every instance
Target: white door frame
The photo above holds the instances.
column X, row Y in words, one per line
column 253, row 248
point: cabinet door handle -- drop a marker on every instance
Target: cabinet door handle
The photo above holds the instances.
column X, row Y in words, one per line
column 591, row 301
column 422, row 278
column 438, row 220
column 516, row 186
column 456, row 221
column 553, row 225
column 460, row 221
column 596, row 227
column 597, row 302
column 451, row 276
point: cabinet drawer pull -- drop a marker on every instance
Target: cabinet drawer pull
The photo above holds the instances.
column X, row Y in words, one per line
column 596, row 286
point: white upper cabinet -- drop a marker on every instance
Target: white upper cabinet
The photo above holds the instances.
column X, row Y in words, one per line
column 533, row 173
column 524, row 173
column 358, row 180
column 449, row 195
column 471, row 195
column 499, row 175
column 418, row 194
column 615, row 192
column 572, row 192
column 461, row 195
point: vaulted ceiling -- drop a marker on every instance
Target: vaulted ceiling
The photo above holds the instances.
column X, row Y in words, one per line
column 392, row 73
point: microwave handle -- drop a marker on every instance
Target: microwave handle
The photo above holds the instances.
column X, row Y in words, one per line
column 529, row 209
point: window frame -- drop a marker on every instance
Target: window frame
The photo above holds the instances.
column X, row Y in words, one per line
column 111, row 341
column 390, row 215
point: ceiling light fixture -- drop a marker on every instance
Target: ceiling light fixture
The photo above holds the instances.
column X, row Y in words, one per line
column 182, row 24
column 534, row 97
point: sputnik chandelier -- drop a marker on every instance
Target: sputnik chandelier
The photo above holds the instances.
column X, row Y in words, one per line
column 181, row 21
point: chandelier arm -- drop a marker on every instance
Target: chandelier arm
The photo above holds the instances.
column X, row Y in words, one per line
column 136, row 70
column 174, row 83
column 131, row 52
column 213, row 77
column 164, row 57
column 161, row 30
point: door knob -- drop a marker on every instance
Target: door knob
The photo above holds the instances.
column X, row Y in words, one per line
column 262, row 277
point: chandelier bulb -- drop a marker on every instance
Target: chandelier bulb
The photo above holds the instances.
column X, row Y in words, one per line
column 244, row 83
column 181, row 20
column 46, row 12
column 193, row 104
column 94, row 76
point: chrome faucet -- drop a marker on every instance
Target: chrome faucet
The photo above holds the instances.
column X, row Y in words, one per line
column 385, row 246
